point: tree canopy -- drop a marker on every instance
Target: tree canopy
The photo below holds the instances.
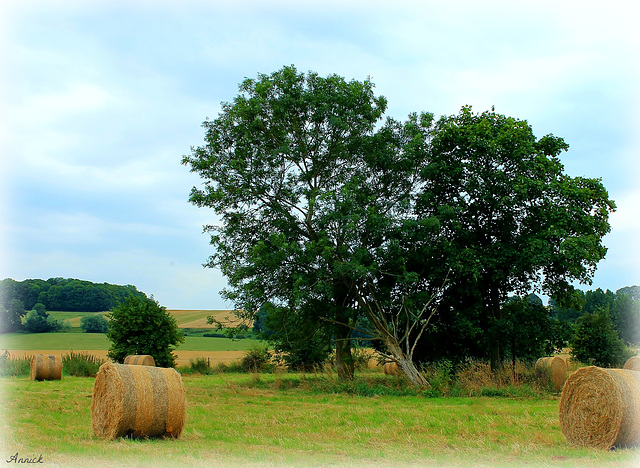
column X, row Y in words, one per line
column 65, row 294
column 511, row 219
column 333, row 214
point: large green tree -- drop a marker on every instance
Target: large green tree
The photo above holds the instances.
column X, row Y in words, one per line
column 511, row 220
column 314, row 195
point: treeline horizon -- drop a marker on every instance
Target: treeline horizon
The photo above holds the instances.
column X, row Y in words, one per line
column 65, row 294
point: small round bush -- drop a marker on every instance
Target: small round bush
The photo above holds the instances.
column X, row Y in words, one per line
column 139, row 325
column 94, row 324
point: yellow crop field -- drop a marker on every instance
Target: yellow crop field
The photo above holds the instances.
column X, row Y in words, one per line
column 198, row 318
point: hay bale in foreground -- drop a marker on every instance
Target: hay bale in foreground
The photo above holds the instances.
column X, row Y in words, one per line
column 633, row 363
column 390, row 368
column 46, row 367
column 137, row 401
column 557, row 368
column 140, row 360
column 601, row 408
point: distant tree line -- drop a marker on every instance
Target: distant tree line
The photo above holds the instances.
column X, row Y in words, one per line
column 622, row 306
column 65, row 294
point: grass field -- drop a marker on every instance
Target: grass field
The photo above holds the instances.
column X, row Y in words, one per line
column 217, row 350
column 288, row 420
column 97, row 341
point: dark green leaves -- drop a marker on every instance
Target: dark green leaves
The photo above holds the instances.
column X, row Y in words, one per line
column 139, row 325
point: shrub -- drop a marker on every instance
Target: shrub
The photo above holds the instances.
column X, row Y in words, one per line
column 94, row 324
column 200, row 366
column 14, row 366
column 81, row 364
column 256, row 359
column 440, row 376
column 139, row 325
column 39, row 321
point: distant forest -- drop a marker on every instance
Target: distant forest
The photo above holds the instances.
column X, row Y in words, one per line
column 65, row 294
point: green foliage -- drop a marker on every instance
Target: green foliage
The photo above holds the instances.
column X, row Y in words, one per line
column 528, row 332
column 332, row 215
column 598, row 299
column 199, row 366
column 596, row 342
column 510, row 219
column 14, row 366
column 298, row 338
column 139, row 325
column 623, row 305
column 94, row 324
column 569, row 310
column 38, row 320
column 11, row 319
column 625, row 313
column 290, row 166
column 81, row 364
column 256, row 359
column 65, row 294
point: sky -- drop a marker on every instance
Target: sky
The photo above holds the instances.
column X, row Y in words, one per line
column 101, row 99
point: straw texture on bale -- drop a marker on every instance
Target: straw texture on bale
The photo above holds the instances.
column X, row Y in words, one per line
column 390, row 368
column 601, row 408
column 633, row 363
column 137, row 401
column 140, row 360
column 557, row 368
column 46, row 367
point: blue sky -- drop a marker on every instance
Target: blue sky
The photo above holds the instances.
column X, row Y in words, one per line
column 100, row 100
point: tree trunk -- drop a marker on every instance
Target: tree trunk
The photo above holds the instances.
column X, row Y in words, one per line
column 406, row 364
column 494, row 354
column 495, row 321
column 416, row 378
column 344, row 358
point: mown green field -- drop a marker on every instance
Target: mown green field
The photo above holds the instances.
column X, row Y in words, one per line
column 97, row 341
column 288, row 420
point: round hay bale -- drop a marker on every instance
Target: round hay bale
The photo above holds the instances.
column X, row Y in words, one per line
column 137, row 401
column 633, row 363
column 390, row 368
column 140, row 360
column 601, row 408
column 557, row 369
column 46, row 367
